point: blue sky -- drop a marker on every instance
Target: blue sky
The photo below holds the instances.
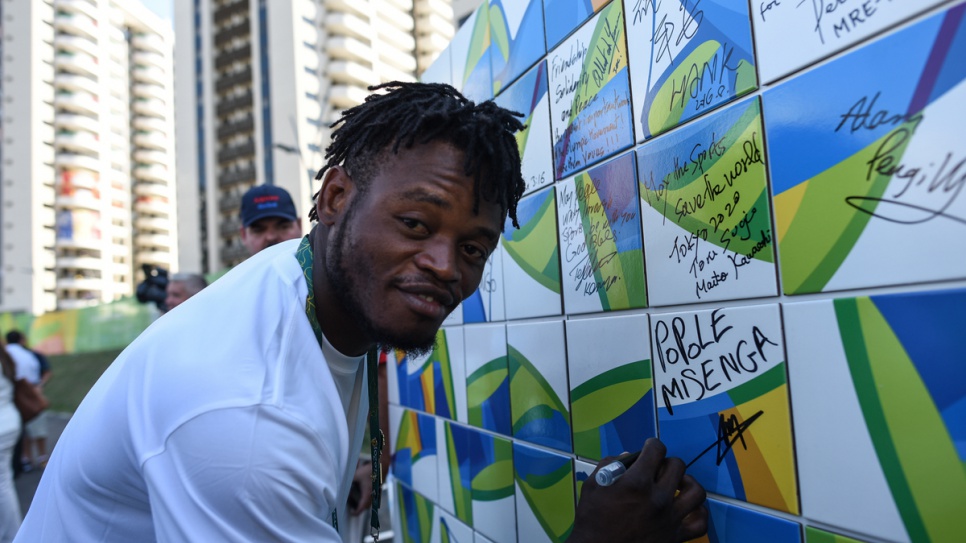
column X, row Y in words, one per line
column 161, row 7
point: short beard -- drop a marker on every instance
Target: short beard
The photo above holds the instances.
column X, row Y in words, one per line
column 347, row 291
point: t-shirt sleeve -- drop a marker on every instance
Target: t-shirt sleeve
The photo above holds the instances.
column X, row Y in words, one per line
column 244, row 474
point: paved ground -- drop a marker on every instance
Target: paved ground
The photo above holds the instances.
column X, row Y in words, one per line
column 27, row 482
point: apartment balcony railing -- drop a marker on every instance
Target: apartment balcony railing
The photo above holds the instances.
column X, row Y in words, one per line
column 232, row 104
column 231, row 202
column 229, row 33
column 243, row 125
column 229, row 57
column 142, row 40
column 232, row 177
column 226, row 10
column 236, row 151
column 233, row 255
column 228, row 81
column 230, row 226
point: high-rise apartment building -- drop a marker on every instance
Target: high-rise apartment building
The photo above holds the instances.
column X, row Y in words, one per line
column 265, row 79
column 87, row 191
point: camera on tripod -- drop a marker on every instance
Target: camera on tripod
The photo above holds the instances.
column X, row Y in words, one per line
column 154, row 288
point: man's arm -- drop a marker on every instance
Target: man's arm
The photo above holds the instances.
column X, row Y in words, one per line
column 653, row 502
column 45, row 372
column 244, row 474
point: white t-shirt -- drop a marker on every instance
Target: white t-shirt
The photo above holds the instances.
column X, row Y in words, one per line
column 25, row 362
column 223, row 421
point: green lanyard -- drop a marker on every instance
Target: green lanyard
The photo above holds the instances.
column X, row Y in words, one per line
column 304, row 256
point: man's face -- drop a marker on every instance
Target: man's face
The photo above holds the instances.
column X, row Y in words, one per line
column 409, row 248
column 176, row 294
column 269, row 231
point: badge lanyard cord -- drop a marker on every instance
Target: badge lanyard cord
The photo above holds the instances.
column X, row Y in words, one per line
column 304, row 256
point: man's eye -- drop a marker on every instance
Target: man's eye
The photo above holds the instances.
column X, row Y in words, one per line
column 475, row 252
column 413, row 224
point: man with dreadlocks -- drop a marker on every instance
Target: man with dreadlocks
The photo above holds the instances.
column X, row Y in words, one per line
column 239, row 419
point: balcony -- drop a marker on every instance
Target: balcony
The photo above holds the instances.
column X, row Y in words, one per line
column 78, row 179
column 81, row 6
column 79, row 283
column 227, row 34
column 226, row 10
column 346, row 96
column 153, row 124
column 78, row 263
column 79, row 242
column 230, row 226
column 399, row 19
column 76, row 23
column 146, row 156
column 347, row 25
column 407, row 5
column 229, row 57
column 152, row 205
column 151, row 172
column 85, row 142
column 347, row 6
column 71, row 160
column 152, row 223
column 232, row 177
column 149, row 106
column 75, row 82
column 242, row 101
column 151, row 42
column 71, row 121
column 436, row 24
column 154, row 140
column 398, row 60
column 439, row 7
column 244, row 125
column 232, row 203
column 234, row 152
column 77, row 102
column 341, row 47
column 77, row 62
column 163, row 241
column 233, row 255
column 149, row 74
column 149, row 58
column 77, row 303
column 352, row 73
column 76, row 43
column 79, row 200
column 160, row 190
column 227, row 81
column 158, row 258
column 145, row 90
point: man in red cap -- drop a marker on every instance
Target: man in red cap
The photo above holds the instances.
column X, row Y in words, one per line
column 268, row 217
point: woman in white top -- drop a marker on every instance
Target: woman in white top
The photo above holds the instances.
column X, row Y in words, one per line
column 9, row 433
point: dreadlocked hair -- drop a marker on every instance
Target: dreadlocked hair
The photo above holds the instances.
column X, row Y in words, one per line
column 420, row 113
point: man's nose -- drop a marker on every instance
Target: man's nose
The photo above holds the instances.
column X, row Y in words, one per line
column 440, row 259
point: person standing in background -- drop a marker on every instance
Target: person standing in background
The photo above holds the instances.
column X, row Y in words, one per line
column 33, row 367
column 268, row 217
column 10, row 434
column 182, row 286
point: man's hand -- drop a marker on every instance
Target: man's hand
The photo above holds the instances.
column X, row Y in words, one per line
column 653, row 502
column 362, row 481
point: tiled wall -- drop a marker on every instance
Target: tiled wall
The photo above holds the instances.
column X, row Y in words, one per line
column 745, row 233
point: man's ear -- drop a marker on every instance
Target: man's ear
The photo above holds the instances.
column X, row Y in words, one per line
column 337, row 189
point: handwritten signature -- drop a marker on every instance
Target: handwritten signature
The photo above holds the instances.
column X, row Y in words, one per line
column 944, row 183
column 730, row 432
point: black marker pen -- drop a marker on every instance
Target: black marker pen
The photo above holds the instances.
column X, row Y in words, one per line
column 610, row 473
